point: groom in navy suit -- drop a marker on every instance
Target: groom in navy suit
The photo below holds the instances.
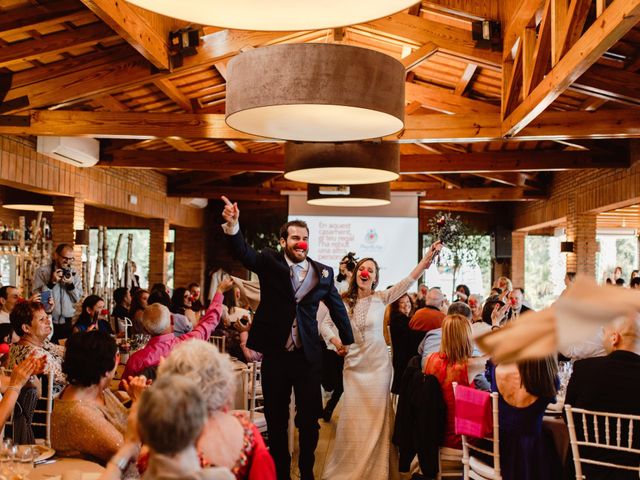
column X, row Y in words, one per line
column 285, row 330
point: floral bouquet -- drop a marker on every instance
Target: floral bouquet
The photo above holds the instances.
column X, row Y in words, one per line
column 448, row 229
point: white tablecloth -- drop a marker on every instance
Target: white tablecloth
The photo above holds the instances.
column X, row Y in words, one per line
column 67, row 469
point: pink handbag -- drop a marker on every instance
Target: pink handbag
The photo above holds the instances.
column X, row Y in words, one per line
column 473, row 412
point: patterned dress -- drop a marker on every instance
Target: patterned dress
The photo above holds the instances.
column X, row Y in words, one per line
column 54, row 354
column 362, row 447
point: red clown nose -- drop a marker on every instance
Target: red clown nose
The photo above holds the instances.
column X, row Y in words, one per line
column 364, row 274
column 302, row 245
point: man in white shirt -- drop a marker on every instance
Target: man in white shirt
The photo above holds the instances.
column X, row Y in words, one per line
column 8, row 298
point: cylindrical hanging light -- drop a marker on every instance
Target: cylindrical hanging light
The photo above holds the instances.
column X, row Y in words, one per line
column 277, row 15
column 351, row 163
column 27, row 201
column 369, row 195
column 315, row 92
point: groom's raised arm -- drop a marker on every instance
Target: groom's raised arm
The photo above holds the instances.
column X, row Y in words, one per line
column 240, row 249
column 338, row 313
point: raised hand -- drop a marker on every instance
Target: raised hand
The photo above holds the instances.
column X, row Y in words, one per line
column 134, row 386
column 23, row 371
column 231, row 212
column 225, row 284
column 431, row 254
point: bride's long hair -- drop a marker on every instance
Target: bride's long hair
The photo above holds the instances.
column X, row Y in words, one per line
column 350, row 297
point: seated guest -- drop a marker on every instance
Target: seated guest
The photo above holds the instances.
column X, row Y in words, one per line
column 503, row 284
column 462, row 294
column 87, row 419
column 122, row 300
column 525, row 390
column 139, row 302
column 9, row 296
column 243, row 451
column 32, row 325
column 516, row 298
column 171, row 418
column 429, row 317
column 180, row 324
column 476, row 304
column 88, row 319
column 234, row 320
column 431, row 342
column 404, row 340
column 7, row 338
column 181, row 304
column 610, row 384
column 196, row 298
column 157, row 322
column 452, row 364
column 635, row 283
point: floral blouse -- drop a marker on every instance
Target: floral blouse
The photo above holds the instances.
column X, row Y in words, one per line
column 54, row 354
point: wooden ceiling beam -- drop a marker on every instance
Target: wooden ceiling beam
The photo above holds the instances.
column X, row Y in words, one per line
column 418, row 56
column 135, row 26
column 445, row 101
column 424, row 128
column 490, row 194
column 607, row 83
column 465, row 79
column 420, row 31
column 256, row 194
column 36, row 17
column 476, row 162
column 55, row 43
column 619, row 17
column 172, row 92
column 482, row 208
column 520, row 19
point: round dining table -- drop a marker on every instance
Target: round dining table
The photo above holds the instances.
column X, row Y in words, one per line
column 67, row 469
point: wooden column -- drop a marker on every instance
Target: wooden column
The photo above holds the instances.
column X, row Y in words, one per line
column 189, row 257
column 158, row 258
column 517, row 258
column 67, row 217
column 581, row 229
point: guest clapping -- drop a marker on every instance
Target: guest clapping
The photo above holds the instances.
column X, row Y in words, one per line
column 89, row 318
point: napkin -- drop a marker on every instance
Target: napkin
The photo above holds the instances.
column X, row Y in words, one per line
column 575, row 317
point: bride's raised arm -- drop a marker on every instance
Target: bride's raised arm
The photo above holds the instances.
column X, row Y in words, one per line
column 392, row 294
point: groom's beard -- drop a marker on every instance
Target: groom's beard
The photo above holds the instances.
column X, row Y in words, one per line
column 294, row 254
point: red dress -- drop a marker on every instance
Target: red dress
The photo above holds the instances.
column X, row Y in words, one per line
column 438, row 365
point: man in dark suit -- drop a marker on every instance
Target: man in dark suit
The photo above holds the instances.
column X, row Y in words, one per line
column 285, row 330
column 516, row 299
column 609, row 384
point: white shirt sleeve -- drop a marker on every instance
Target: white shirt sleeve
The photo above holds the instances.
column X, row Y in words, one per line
column 231, row 229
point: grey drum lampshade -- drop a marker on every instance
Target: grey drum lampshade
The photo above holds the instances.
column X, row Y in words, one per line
column 368, row 195
column 14, row 199
column 350, row 163
column 280, row 15
column 315, row 92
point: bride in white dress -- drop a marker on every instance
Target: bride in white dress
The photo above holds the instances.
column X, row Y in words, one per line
column 362, row 447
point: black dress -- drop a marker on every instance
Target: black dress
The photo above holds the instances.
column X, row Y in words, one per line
column 404, row 342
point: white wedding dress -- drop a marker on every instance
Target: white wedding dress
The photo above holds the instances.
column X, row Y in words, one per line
column 362, row 448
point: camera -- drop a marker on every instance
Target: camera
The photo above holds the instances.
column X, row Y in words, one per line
column 67, row 273
column 349, row 261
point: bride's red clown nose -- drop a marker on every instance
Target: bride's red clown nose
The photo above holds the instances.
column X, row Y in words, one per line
column 364, row 274
column 302, row 245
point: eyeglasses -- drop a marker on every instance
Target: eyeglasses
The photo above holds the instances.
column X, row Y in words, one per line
column 68, row 259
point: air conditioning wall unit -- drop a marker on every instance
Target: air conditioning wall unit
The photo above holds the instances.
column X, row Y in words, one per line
column 78, row 151
column 194, row 202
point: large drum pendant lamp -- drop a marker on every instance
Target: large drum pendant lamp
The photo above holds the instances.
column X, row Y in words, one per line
column 351, row 163
column 315, row 92
column 370, row 195
column 275, row 15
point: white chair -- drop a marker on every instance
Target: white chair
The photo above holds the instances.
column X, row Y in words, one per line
column 219, row 342
column 256, row 411
column 41, row 414
column 475, row 468
column 449, row 463
column 612, row 432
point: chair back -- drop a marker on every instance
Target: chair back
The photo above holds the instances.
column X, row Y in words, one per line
column 473, row 466
column 473, row 412
column 219, row 342
column 603, row 432
column 33, row 411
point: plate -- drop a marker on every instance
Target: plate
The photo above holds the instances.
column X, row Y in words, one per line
column 42, row 453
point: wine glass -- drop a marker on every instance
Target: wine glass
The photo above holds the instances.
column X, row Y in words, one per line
column 7, row 452
column 23, row 460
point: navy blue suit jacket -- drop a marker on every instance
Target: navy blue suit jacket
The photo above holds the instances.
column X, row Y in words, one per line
column 272, row 323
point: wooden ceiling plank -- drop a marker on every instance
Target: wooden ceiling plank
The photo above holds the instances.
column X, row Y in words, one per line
column 476, row 162
column 55, row 43
column 419, row 31
column 575, row 19
column 418, row 56
column 541, row 53
column 481, row 208
column 236, row 146
column 511, row 81
column 465, row 79
column 490, row 194
column 167, row 87
column 520, row 19
column 429, row 128
column 513, row 179
column 616, row 20
column 610, row 84
column 134, row 25
column 36, row 17
column 445, row 101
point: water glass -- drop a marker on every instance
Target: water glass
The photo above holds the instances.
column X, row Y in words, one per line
column 7, row 453
column 23, row 461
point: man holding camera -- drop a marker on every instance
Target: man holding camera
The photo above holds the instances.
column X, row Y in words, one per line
column 65, row 286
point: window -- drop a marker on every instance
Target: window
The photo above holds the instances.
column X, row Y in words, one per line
column 139, row 251
column 544, row 270
column 171, row 256
column 618, row 248
column 473, row 269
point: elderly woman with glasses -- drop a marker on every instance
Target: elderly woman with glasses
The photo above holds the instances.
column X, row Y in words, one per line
column 228, row 440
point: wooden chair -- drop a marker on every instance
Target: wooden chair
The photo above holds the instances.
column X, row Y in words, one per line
column 449, row 463
column 219, row 342
column 478, row 469
column 606, row 432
